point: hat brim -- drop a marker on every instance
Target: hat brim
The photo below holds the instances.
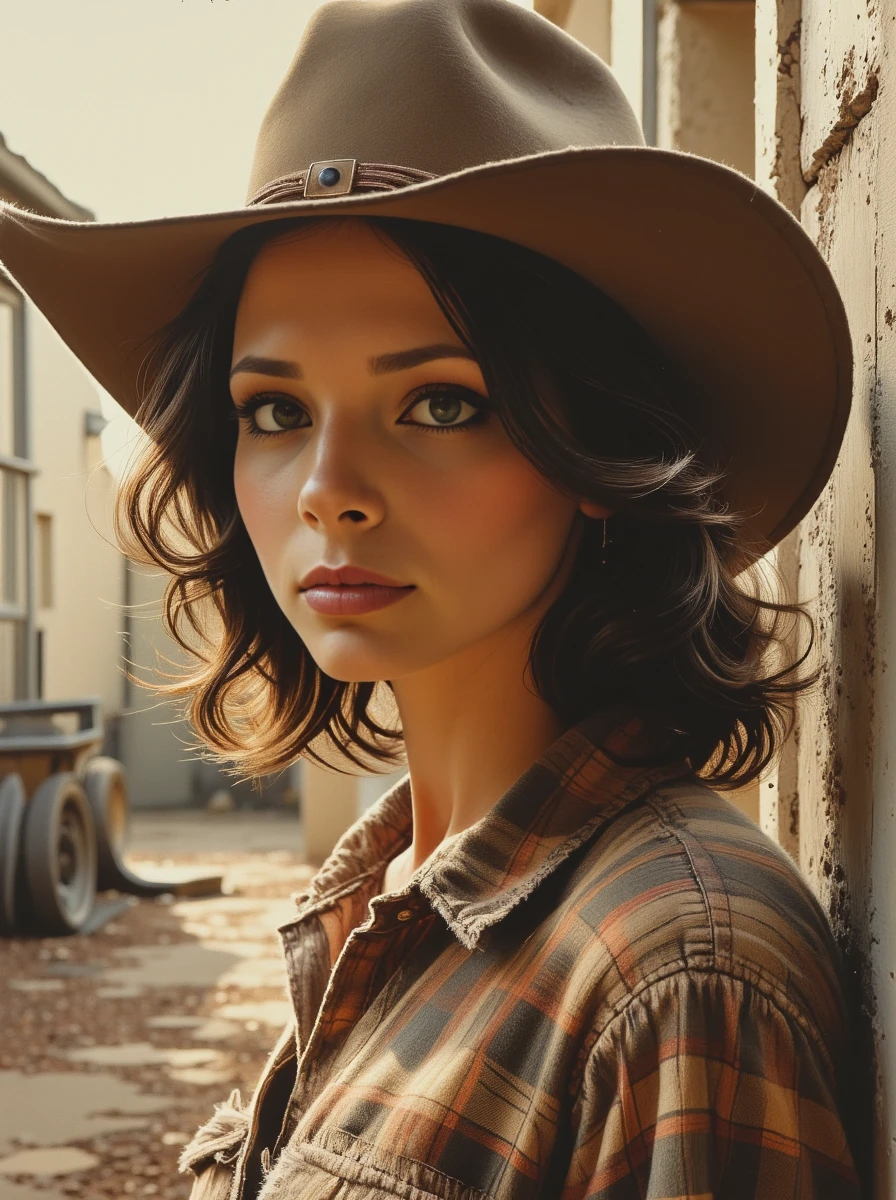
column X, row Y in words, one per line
column 723, row 278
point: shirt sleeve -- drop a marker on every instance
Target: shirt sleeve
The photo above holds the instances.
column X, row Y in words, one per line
column 704, row 1088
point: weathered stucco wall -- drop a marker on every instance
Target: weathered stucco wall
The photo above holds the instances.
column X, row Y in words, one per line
column 589, row 21
column 82, row 642
column 831, row 59
column 825, row 146
column 627, row 50
column 838, row 538
column 778, row 92
column 705, row 79
column 840, row 800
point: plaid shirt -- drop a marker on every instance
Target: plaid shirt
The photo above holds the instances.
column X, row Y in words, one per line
column 612, row 986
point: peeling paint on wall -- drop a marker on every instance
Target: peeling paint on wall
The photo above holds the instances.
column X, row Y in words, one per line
column 789, row 51
column 854, row 107
column 778, row 87
column 846, row 157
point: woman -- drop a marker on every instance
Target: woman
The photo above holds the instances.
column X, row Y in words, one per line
column 471, row 443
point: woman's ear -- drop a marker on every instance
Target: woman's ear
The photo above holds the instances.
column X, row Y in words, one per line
column 597, row 512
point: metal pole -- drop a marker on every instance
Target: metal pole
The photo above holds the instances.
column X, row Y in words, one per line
column 650, row 24
column 28, row 653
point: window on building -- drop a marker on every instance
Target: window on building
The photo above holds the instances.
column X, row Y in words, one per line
column 9, row 636
column 13, row 570
column 44, row 555
column 15, row 535
column 7, row 379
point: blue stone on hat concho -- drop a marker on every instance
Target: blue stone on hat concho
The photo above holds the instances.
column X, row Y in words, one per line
column 329, row 176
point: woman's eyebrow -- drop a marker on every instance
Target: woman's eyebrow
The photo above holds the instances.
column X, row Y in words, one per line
column 400, row 360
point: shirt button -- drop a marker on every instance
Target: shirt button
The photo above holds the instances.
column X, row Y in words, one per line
column 405, row 914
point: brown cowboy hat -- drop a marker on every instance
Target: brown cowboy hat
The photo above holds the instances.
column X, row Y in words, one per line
column 484, row 115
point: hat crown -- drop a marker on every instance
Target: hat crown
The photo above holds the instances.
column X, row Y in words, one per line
column 439, row 85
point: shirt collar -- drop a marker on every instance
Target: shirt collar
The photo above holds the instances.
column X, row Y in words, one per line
column 476, row 879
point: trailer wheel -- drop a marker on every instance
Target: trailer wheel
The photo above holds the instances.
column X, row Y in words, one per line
column 59, row 855
column 105, row 785
column 12, row 808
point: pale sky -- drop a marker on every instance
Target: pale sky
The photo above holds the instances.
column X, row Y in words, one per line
column 143, row 108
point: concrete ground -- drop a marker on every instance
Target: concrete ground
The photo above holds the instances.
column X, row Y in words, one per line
column 115, row 1046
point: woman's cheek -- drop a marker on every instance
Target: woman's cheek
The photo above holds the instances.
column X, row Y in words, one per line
column 269, row 513
column 502, row 518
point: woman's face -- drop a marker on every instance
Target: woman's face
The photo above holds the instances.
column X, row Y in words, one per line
column 370, row 444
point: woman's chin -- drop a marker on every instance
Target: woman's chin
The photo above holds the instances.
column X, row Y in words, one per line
column 353, row 668
column 370, row 669
column 359, row 676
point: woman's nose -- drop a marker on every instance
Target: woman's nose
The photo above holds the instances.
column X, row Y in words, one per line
column 339, row 489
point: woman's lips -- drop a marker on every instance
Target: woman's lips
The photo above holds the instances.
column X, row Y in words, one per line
column 351, row 599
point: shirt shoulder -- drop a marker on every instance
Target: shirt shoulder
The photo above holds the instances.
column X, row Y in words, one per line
column 683, row 881
column 706, row 1084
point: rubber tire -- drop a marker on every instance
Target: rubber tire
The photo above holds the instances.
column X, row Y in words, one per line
column 12, row 810
column 103, row 778
column 57, row 807
column 105, row 786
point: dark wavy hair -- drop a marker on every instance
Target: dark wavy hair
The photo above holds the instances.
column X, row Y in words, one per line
column 674, row 624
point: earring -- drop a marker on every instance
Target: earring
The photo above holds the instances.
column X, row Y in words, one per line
column 603, row 544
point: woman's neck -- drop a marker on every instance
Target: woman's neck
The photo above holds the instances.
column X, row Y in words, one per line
column 471, row 726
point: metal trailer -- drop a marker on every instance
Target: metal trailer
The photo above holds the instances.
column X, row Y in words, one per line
column 64, row 821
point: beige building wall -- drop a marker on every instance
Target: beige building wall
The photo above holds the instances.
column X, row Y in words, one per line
column 591, row 22
column 330, row 804
column 154, row 737
column 75, row 583
column 88, row 633
column 79, row 568
column 834, row 62
column 627, row 50
column 705, row 80
column 158, row 745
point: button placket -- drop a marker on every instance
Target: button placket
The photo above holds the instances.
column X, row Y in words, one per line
column 387, row 920
column 376, row 935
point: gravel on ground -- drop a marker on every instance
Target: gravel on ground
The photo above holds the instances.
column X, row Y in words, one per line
column 58, row 1003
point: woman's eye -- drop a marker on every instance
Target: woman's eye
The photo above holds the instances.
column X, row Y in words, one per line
column 445, row 410
column 441, row 410
column 271, row 416
column 277, row 415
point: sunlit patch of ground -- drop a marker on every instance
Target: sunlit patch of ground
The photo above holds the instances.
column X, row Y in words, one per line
column 115, row 1046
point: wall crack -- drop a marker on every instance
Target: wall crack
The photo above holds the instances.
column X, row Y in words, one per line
column 854, row 107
